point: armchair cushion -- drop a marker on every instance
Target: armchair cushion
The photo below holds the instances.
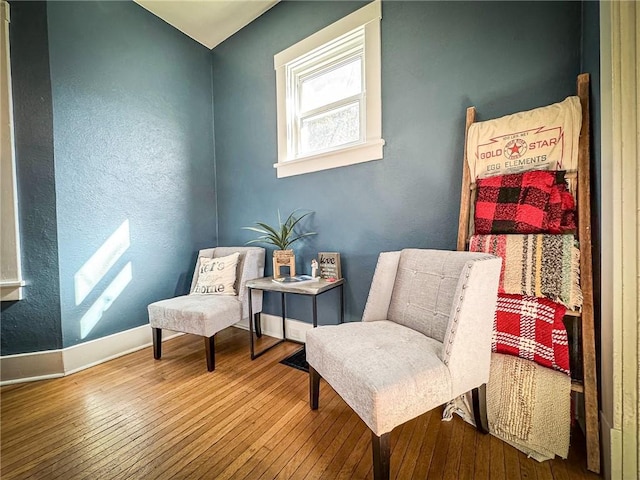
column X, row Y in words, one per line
column 203, row 315
column 403, row 379
column 216, row 275
column 424, row 289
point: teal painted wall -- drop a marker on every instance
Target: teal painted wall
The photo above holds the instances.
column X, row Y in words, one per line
column 438, row 58
column 123, row 131
column 128, row 148
column 33, row 323
column 133, row 151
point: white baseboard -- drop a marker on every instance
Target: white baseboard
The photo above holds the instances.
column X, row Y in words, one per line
column 85, row 355
column 605, row 440
column 29, row 367
column 272, row 326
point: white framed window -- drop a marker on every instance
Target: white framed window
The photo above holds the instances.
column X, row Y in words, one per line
column 328, row 90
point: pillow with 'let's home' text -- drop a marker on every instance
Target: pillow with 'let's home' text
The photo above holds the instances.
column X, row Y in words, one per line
column 216, row 276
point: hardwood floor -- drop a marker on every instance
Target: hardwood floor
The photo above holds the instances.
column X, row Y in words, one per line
column 137, row 418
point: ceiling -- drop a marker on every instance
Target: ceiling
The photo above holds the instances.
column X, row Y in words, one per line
column 208, row 22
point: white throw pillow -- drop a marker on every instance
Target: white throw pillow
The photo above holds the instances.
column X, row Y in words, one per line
column 216, row 276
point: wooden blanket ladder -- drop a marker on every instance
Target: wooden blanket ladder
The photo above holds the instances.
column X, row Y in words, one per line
column 581, row 322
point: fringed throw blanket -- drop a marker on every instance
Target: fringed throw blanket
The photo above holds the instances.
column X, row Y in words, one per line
column 536, row 265
column 529, row 406
column 531, row 202
column 531, row 328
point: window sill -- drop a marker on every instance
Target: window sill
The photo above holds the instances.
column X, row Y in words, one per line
column 365, row 152
column 10, row 291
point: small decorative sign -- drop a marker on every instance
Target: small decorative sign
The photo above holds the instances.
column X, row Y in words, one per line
column 329, row 263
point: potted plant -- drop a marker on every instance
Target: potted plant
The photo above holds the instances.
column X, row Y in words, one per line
column 281, row 237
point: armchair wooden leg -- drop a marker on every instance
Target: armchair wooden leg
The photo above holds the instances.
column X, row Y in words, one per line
column 314, row 388
column 479, row 400
column 211, row 353
column 157, row 342
column 381, row 455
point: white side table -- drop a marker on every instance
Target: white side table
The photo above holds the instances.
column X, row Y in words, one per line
column 309, row 289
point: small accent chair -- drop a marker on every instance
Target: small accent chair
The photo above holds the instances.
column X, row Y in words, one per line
column 207, row 314
column 424, row 339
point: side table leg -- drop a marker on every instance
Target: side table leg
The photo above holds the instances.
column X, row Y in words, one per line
column 284, row 316
column 315, row 311
column 251, row 325
column 342, row 303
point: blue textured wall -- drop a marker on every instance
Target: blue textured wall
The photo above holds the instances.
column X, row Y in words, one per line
column 121, row 104
column 33, row 324
column 134, row 147
column 438, row 58
column 132, row 130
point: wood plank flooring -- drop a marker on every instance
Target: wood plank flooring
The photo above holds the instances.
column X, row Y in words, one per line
column 137, row 418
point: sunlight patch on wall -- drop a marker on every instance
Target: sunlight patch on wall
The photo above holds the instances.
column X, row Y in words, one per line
column 88, row 276
column 102, row 304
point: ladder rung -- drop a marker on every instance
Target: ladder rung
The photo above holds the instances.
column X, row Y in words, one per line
column 576, row 386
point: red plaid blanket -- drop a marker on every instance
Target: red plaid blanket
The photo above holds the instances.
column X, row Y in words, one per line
column 531, row 328
column 536, row 201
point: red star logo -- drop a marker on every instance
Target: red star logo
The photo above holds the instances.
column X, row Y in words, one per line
column 514, row 149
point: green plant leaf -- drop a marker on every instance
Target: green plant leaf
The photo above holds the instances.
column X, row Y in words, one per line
column 284, row 235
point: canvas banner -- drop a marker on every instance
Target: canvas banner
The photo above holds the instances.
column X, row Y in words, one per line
column 545, row 138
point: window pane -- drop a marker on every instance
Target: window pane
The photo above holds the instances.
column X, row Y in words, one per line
column 331, row 85
column 330, row 129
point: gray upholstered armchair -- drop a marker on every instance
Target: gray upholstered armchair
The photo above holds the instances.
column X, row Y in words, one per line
column 207, row 314
column 424, row 339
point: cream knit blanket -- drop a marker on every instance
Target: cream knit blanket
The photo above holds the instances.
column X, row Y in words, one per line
column 529, row 406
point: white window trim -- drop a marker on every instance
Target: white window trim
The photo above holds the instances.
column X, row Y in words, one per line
column 11, row 283
column 368, row 16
